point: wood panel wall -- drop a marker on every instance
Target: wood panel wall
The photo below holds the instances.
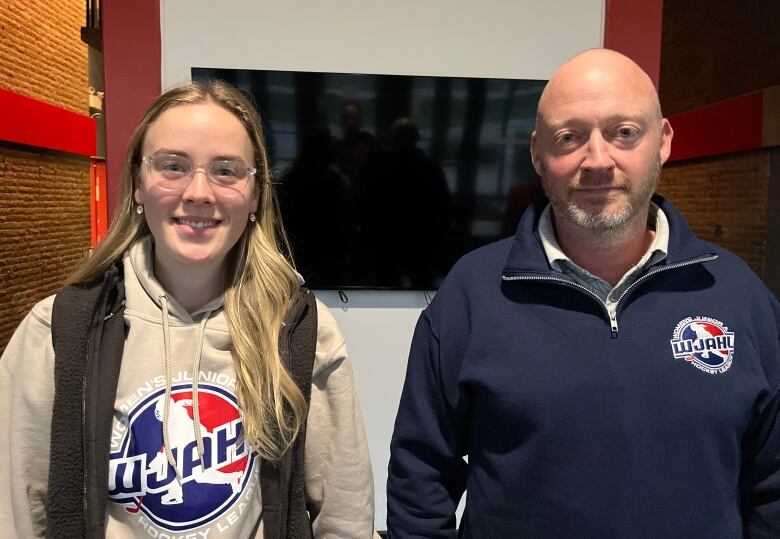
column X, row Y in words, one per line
column 710, row 52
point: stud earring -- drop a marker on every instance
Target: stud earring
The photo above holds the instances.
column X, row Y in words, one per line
column 139, row 209
column 252, row 217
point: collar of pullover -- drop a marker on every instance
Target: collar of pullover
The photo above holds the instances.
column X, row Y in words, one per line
column 527, row 254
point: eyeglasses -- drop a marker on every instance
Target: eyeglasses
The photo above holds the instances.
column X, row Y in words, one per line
column 172, row 172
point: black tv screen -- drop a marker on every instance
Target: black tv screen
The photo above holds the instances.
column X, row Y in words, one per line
column 385, row 181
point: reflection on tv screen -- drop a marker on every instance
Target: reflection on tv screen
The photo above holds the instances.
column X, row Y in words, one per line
column 386, row 180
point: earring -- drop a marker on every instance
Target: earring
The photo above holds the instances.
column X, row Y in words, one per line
column 139, row 209
column 252, row 217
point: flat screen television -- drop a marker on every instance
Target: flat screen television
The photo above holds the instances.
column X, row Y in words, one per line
column 385, row 181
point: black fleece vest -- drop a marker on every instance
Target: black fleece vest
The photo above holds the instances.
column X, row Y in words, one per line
column 88, row 335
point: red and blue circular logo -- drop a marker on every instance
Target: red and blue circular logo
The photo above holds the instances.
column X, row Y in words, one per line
column 705, row 343
column 202, row 487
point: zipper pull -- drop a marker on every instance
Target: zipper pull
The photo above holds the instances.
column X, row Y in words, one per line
column 613, row 323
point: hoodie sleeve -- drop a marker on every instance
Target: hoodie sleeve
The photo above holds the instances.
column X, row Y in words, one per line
column 337, row 468
column 26, row 397
column 427, row 473
column 761, row 448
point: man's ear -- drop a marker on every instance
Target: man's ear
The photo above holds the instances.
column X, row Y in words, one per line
column 667, row 133
column 535, row 159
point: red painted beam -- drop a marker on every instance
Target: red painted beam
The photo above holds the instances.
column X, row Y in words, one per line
column 728, row 126
column 132, row 75
column 35, row 123
column 633, row 27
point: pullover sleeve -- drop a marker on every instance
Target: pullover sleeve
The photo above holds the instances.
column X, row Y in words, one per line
column 337, row 468
column 761, row 450
column 427, row 473
column 26, row 397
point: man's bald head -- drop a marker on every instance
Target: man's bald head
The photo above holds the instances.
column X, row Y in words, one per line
column 592, row 70
column 600, row 142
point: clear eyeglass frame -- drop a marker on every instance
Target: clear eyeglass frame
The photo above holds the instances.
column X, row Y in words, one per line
column 177, row 180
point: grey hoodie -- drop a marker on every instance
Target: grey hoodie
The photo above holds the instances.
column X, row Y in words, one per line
column 147, row 497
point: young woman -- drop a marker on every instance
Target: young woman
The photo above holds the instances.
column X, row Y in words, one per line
column 184, row 384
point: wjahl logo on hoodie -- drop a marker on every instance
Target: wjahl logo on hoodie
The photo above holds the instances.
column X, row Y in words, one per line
column 705, row 343
column 141, row 479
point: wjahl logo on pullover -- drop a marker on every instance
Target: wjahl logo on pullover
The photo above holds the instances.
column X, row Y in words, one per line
column 141, row 479
column 705, row 343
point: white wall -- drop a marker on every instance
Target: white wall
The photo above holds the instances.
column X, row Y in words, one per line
column 489, row 38
column 378, row 327
column 524, row 39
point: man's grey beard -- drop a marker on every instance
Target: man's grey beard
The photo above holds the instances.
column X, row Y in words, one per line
column 611, row 222
column 600, row 222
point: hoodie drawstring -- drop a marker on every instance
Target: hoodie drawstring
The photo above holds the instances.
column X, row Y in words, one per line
column 168, row 383
column 195, row 377
column 168, row 389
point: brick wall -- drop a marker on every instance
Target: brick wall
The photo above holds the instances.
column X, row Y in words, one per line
column 41, row 53
column 44, row 224
column 724, row 199
column 44, row 196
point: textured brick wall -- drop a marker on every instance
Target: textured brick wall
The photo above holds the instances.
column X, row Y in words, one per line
column 44, row 196
column 44, row 225
column 724, row 199
column 41, row 53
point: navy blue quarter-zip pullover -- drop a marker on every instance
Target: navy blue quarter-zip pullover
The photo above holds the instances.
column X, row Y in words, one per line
column 661, row 423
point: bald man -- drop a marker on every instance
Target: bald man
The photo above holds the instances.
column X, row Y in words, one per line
column 604, row 373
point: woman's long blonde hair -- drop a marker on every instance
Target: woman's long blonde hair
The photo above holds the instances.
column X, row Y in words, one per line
column 261, row 282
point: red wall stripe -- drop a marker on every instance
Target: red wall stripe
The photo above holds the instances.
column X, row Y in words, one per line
column 35, row 123
column 633, row 27
column 727, row 126
column 132, row 72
